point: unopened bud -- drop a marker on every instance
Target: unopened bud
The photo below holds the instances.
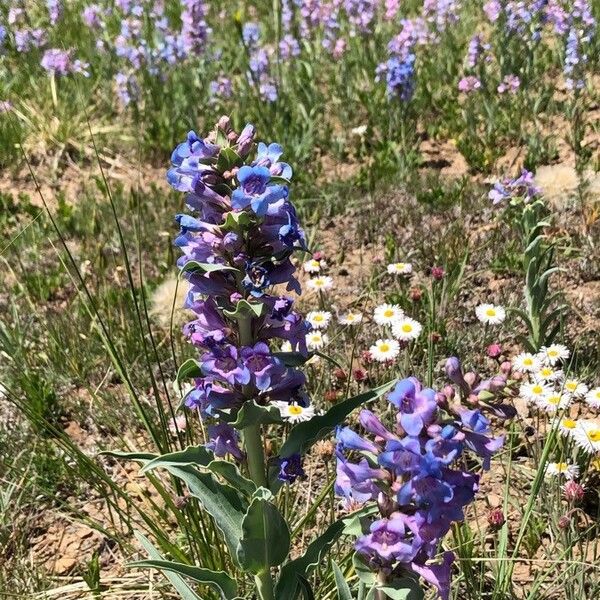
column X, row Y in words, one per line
column 340, row 374
column 494, row 350
column 496, row 517
column 564, row 521
column 360, row 375
column 573, row 491
column 437, row 273
column 331, row 396
column 181, row 501
column 506, row 367
column 415, row 294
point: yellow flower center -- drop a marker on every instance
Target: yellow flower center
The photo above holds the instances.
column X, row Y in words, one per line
column 569, row 424
column 295, row 409
column 318, row 318
column 527, row 362
column 554, row 399
column 537, row 389
column 407, row 327
column 384, row 347
column 561, row 467
column 571, row 386
column 399, row 266
column 490, row 312
column 546, row 372
column 388, row 313
column 594, row 435
column 552, row 353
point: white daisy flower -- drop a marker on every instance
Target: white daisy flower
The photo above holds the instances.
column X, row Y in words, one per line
column 548, row 373
column 314, row 266
column 350, row 318
column 567, row 470
column 533, row 392
column 386, row 314
column 554, row 353
column 576, row 388
column 490, row 314
column 554, row 401
column 526, row 363
column 286, row 346
column 321, row 284
column 294, row 413
column 318, row 319
column 568, row 426
column 315, row 340
column 406, row 329
column 587, row 436
column 384, row 350
column 399, row 268
column 593, row 398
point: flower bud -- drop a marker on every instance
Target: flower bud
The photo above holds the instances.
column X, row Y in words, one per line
column 246, row 140
column 438, row 273
column 471, row 378
column 564, row 521
column 360, row 375
column 494, row 350
column 454, row 373
column 331, row 396
column 415, row 294
column 366, row 357
column 436, row 337
column 340, row 374
column 506, row 367
column 224, row 123
column 496, row 517
column 318, row 255
column 449, row 392
column 497, row 383
column 573, row 492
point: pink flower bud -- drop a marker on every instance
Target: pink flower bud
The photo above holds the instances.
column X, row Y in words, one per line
column 564, row 521
column 573, row 491
column 318, row 255
column 496, row 517
column 494, row 350
column 360, row 375
column 470, row 378
column 448, row 391
column 506, row 367
column 437, row 273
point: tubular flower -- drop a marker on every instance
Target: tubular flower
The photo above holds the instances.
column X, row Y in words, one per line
column 234, row 247
column 415, row 471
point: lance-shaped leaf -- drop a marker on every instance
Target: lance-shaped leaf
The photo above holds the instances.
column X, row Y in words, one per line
column 194, row 265
column 180, row 585
column 293, row 359
column 399, row 589
column 192, row 455
column 189, row 369
column 292, row 573
column 305, row 434
column 220, row 500
column 252, row 413
column 265, row 539
column 343, row 589
column 218, row 580
column 245, row 309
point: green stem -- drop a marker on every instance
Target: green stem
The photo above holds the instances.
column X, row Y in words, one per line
column 255, row 456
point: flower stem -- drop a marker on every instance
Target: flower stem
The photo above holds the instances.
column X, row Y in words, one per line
column 255, row 456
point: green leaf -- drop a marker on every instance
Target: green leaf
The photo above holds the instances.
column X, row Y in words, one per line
column 228, row 158
column 234, row 220
column 139, row 456
column 189, row 369
column 253, row 414
column 353, row 523
column 194, row 265
column 245, row 309
column 401, row 589
column 343, row 589
column 182, row 588
column 192, row 455
column 364, row 572
column 292, row 572
column 305, row 434
column 292, row 359
column 200, row 456
column 221, row 501
column 218, row 580
column 265, row 540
